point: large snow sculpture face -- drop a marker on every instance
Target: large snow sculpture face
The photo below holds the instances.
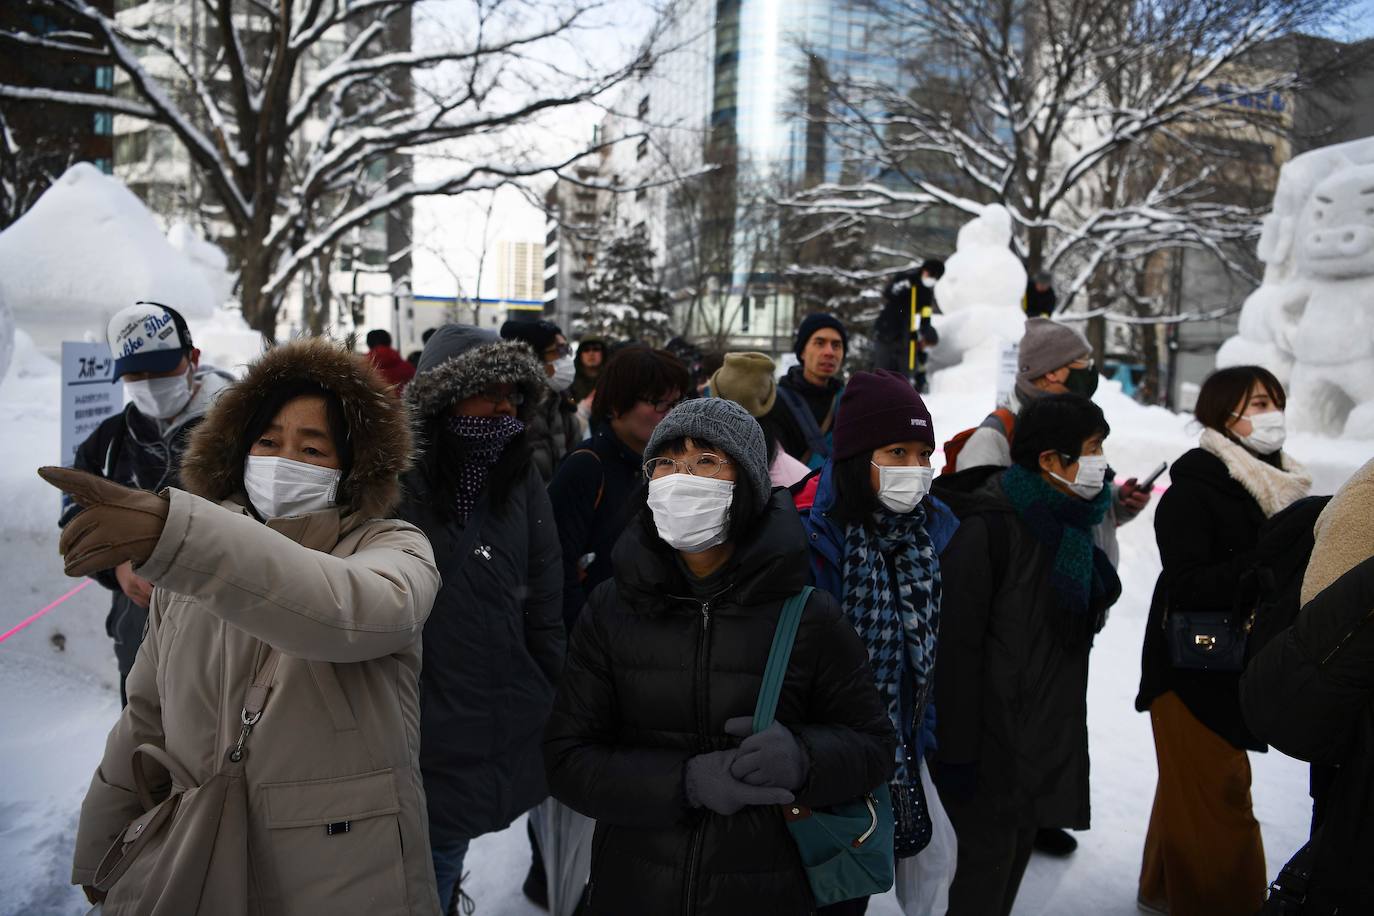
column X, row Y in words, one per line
column 1337, row 237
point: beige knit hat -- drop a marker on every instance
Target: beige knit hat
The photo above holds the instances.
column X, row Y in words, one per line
column 747, row 379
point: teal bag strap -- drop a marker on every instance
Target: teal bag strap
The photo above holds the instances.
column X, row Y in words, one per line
column 775, row 672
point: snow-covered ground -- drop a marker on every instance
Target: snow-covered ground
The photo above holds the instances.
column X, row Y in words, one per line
column 57, row 677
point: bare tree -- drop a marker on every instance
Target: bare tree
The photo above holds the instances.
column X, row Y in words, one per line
column 1103, row 126
column 301, row 116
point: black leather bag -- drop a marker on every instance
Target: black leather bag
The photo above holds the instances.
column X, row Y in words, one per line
column 1207, row 640
column 1287, row 895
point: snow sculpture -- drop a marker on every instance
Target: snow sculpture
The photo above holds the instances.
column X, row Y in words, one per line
column 6, row 338
column 86, row 249
column 1311, row 322
column 980, row 293
column 205, row 255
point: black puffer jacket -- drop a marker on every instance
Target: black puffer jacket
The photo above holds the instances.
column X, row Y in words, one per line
column 653, row 675
column 1012, row 699
column 493, row 652
column 1310, row 693
column 1207, row 526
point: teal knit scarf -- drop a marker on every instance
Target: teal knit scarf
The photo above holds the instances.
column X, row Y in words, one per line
column 1082, row 577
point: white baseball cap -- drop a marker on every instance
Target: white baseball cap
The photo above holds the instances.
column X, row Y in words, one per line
column 148, row 337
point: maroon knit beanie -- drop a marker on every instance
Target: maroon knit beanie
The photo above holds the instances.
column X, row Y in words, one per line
column 877, row 409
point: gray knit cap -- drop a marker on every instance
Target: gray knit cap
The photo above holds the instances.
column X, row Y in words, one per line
column 724, row 424
column 1048, row 345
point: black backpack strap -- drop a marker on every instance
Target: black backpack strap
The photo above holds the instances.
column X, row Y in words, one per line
column 811, row 430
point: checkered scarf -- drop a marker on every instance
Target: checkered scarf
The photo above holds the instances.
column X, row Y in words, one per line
column 480, row 441
column 898, row 621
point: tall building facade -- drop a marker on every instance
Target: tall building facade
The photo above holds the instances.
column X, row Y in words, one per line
column 519, row 270
column 717, row 126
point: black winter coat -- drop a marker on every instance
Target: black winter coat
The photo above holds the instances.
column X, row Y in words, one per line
column 1011, row 698
column 591, row 493
column 128, row 448
column 821, row 399
column 493, row 652
column 1310, row 693
column 652, row 676
column 1207, row 526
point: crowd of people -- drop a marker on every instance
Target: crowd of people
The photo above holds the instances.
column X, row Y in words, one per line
column 367, row 609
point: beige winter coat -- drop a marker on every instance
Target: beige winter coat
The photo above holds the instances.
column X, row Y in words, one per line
column 343, row 595
column 1345, row 533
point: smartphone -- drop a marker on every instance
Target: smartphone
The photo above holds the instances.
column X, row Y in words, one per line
column 1154, row 475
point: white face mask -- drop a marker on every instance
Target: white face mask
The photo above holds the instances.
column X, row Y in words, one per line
column 1092, row 474
column 1268, row 432
column 279, row 487
column 162, row 398
column 564, row 371
column 691, row 513
column 901, row 489
column 928, row 282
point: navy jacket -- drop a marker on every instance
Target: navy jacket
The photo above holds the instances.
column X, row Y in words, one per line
column 826, row 539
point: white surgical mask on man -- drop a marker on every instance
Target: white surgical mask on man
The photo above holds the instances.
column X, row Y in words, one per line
column 691, row 513
column 901, row 489
column 161, row 398
column 1268, row 432
column 564, row 371
column 1092, row 475
column 928, row 282
column 279, row 487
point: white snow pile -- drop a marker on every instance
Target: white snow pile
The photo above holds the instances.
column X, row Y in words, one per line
column 85, row 250
column 58, row 675
column 980, row 292
column 1311, row 322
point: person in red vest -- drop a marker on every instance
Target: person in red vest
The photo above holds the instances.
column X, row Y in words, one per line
column 390, row 363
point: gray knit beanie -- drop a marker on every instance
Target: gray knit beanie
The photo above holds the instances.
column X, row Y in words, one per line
column 1048, row 345
column 726, row 425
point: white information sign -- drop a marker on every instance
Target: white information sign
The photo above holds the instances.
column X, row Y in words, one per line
column 1006, row 372
column 88, row 395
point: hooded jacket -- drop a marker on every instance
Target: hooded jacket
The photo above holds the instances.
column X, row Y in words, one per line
column 653, row 674
column 494, row 642
column 139, row 451
column 1310, row 692
column 342, row 594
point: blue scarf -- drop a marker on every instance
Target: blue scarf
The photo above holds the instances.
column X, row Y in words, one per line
column 897, row 620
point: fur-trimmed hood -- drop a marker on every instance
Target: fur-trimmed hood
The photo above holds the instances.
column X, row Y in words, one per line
column 377, row 421
column 502, row 362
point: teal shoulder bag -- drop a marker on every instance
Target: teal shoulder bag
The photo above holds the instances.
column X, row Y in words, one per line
column 846, row 849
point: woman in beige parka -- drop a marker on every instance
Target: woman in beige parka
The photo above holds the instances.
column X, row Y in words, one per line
column 308, row 564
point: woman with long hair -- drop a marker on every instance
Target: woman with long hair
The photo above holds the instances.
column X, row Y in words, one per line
column 1203, row 852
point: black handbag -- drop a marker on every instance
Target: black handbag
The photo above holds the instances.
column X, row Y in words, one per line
column 1207, row 640
column 912, row 826
column 1287, row 895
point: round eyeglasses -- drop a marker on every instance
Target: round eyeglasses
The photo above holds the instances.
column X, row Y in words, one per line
column 703, row 465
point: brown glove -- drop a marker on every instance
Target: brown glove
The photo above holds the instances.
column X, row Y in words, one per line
column 119, row 523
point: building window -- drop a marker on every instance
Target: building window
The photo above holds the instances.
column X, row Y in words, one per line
column 643, row 149
column 104, row 164
column 641, row 193
column 104, row 78
column 644, row 108
column 104, row 123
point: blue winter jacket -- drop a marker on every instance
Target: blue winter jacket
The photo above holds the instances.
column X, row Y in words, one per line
column 826, row 539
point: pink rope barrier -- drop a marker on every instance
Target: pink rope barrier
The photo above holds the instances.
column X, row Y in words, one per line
column 37, row 614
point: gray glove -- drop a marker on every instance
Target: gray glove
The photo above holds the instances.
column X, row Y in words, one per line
column 709, row 785
column 773, row 757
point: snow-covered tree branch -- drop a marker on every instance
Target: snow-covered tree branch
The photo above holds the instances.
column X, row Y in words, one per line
column 1108, row 129
column 304, row 119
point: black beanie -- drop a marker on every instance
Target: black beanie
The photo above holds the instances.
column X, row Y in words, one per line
column 813, row 323
column 539, row 335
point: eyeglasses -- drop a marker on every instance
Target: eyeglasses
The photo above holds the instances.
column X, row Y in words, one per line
column 662, row 406
column 703, row 465
column 556, row 351
column 496, row 397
